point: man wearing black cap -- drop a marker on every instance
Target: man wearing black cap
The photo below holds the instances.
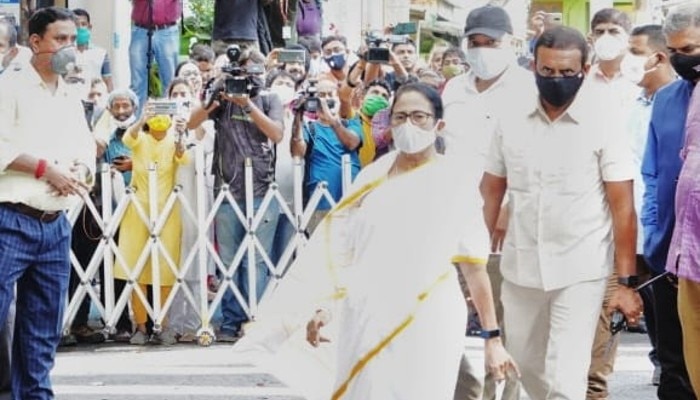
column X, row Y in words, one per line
column 476, row 100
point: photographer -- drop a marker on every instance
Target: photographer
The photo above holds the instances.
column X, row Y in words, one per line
column 324, row 142
column 248, row 125
column 403, row 59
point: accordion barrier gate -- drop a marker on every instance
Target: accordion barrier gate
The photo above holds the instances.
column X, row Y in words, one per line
column 199, row 256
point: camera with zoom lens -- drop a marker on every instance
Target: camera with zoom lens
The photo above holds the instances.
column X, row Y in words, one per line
column 237, row 83
column 376, row 52
column 308, row 100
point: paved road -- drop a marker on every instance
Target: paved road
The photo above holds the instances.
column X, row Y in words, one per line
column 118, row 372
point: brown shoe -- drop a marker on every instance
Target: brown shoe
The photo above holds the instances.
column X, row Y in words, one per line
column 85, row 334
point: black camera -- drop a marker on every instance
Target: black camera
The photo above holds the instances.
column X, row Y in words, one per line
column 376, row 52
column 309, row 101
column 237, row 82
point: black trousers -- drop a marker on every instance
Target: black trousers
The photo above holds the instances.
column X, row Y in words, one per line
column 86, row 237
column 674, row 384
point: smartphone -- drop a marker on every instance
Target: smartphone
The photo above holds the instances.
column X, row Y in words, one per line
column 291, row 56
column 165, row 107
column 405, row 28
column 553, row 18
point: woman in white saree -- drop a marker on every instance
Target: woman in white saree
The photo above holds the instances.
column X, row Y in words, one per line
column 381, row 268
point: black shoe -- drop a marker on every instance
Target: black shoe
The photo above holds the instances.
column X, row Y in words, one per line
column 68, row 340
column 85, row 334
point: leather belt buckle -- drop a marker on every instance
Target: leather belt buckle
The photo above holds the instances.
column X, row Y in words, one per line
column 32, row 212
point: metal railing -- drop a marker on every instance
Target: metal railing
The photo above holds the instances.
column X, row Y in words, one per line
column 202, row 251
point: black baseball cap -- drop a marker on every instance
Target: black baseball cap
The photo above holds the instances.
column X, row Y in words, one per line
column 491, row 21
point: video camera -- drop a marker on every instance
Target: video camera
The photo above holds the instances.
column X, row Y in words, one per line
column 309, row 100
column 238, row 83
column 378, row 52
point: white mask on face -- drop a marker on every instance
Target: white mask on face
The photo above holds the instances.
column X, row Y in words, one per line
column 285, row 93
column 126, row 123
column 487, row 63
column 609, row 47
column 632, row 68
column 411, row 139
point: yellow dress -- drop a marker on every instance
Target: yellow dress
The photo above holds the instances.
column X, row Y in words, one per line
column 134, row 234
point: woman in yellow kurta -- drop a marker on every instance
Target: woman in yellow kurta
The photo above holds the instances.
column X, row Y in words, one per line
column 166, row 151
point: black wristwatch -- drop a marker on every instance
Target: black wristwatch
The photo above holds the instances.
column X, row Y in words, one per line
column 631, row 281
column 494, row 333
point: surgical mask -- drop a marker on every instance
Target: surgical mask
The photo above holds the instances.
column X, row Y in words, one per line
column 82, row 37
column 373, row 104
column 559, row 90
column 285, row 93
column 450, row 71
column 336, row 61
column 609, row 47
column 411, row 139
column 63, row 60
column 687, row 67
column 632, row 68
column 487, row 63
column 315, row 67
column 126, row 123
column 159, row 123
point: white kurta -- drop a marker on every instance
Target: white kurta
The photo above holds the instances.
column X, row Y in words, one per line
column 388, row 246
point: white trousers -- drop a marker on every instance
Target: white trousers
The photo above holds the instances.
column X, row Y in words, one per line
column 550, row 335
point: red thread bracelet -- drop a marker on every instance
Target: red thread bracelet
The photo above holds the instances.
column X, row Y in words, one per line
column 40, row 169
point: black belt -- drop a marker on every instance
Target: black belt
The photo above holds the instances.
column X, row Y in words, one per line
column 41, row 215
column 156, row 27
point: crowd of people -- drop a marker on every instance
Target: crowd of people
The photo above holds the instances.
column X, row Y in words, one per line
column 553, row 189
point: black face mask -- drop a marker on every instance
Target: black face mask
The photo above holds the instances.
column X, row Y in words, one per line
column 559, row 90
column 687, row 67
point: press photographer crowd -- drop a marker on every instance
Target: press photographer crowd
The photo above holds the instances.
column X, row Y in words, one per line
column 536, row 192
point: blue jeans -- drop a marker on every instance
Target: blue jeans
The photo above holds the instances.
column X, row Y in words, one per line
column 229, row 235
column 165, row 45
column 35, row 256
column 283, row 235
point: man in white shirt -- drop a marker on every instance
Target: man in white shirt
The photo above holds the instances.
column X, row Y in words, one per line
column 12, row 55
column 610, row 29
column 567, row 168
column 42, row 161
column 473, row 103
column 93, row 59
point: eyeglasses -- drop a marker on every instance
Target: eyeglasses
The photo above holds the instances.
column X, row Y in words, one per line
column 417, row 117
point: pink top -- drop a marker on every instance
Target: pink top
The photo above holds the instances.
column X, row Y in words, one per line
column 684, row 253
column 165, row 12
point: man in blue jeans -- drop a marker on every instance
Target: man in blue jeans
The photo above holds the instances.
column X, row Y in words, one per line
column 248, row 126
column 41, row 160
column 161, row 22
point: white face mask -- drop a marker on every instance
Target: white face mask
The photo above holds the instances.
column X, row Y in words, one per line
column 316, row 66
column 126, row 123
column 609, row 47
column 632, row 68
column 411, row 139
column 487, row 63
column 285, row 93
